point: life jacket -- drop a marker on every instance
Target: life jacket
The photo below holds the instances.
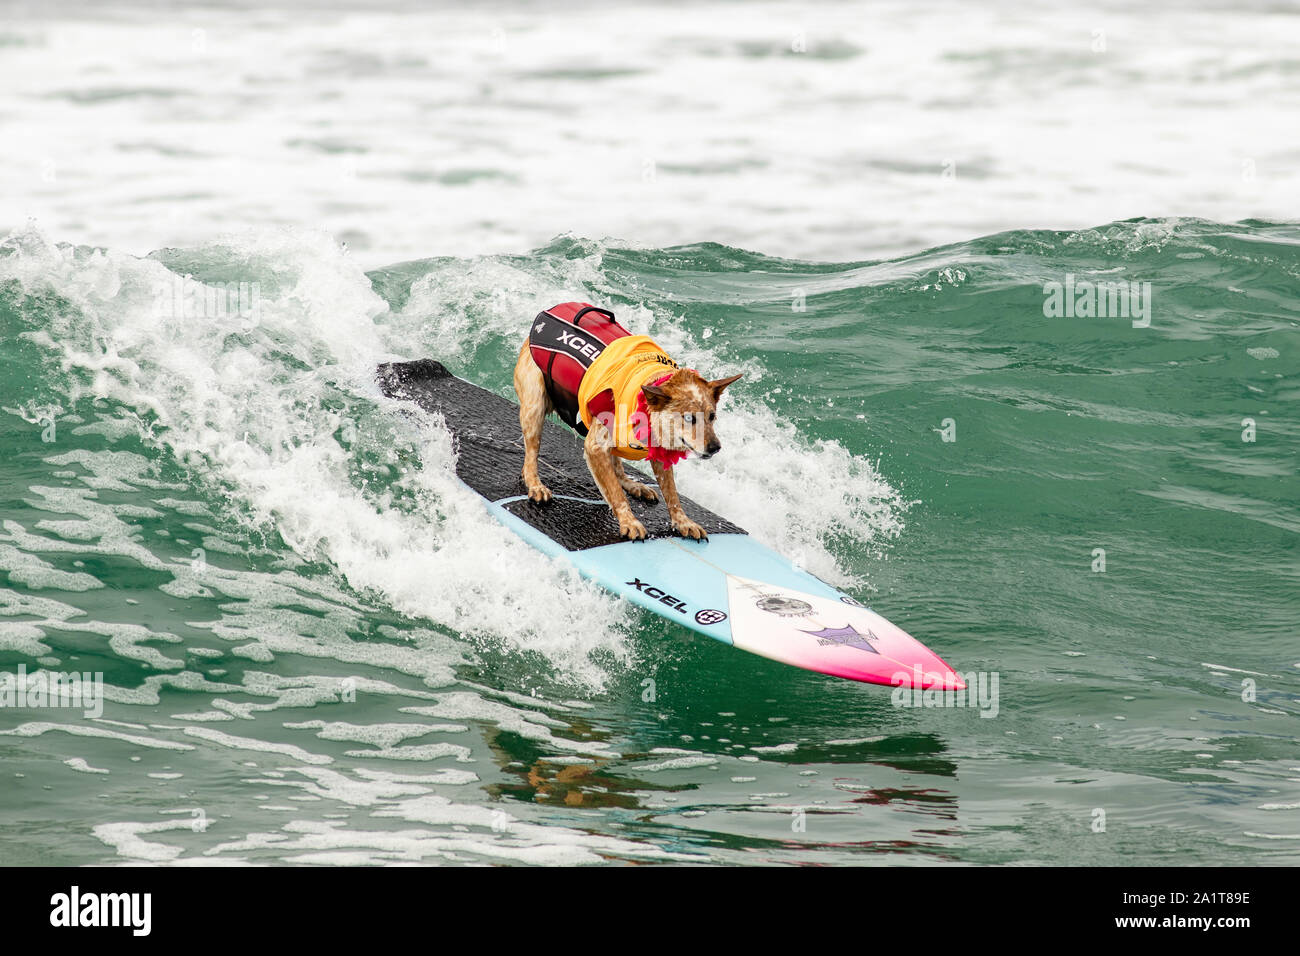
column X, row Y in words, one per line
column 593, row 366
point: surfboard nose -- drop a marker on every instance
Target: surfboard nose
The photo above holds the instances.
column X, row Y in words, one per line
column 833, row 634
column 926, row 670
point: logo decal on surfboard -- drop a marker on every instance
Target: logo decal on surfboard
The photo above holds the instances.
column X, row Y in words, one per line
column 658, row 594
column 848, row 635
column 783, row 606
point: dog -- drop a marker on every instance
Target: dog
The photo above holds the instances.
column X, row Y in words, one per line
column 628, row 399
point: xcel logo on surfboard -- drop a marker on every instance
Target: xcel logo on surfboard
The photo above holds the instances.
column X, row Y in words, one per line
column 658, row 594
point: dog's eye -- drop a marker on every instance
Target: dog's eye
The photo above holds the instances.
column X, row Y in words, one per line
column 688, row 418
column 713, row 416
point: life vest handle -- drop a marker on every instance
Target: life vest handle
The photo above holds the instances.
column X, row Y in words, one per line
column 591, row 308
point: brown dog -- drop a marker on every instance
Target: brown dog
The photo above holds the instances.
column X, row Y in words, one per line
column 627, row 397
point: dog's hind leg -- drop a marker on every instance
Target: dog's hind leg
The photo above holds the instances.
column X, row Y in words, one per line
column 634, row 488
column 534, row 404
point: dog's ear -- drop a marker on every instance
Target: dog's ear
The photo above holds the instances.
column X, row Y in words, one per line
column 655, row 397
column 717, row 385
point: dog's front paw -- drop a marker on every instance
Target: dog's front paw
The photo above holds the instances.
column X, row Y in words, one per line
column 689, row 529
column 630, row 528
column 539, row 493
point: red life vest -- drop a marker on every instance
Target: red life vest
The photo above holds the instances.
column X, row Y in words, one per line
column 564, row 340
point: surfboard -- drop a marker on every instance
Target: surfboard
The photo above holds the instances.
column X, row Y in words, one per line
column 729, row 587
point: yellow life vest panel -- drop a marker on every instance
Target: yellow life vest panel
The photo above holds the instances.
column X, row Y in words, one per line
column 621, row 369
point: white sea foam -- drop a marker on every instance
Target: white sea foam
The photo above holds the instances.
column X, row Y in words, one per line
column 30, row 571
column 678, row 763
column 257, row 746
column 128, row 839
column 258, row 414
column 422, row 753
column 37, row 728
column 79, row 764
column 802, row 129
column 381, row 735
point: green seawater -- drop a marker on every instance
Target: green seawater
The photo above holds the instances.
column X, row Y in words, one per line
column 317, row 648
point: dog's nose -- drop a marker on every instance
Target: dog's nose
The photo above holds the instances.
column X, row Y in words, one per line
column 712, row 448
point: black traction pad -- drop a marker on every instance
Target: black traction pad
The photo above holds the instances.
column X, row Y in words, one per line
column 490, row 458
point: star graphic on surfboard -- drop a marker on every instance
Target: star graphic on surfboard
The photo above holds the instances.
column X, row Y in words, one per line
column 848, row 635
